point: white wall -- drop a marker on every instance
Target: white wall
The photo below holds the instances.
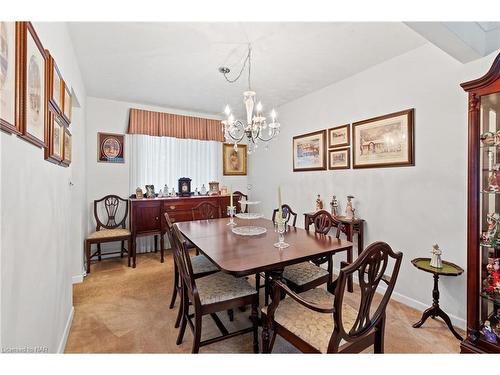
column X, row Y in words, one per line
column 104, row 115
column 410, row 208
column 42, row 222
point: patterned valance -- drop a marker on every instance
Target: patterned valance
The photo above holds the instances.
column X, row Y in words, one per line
column 161, row 124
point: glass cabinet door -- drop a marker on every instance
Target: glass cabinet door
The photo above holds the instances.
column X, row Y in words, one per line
column 489, row 259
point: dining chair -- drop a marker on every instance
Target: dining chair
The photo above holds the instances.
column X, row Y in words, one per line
column 287, row 214
column 316, row 321
column 211, row 294
column 202, row 266
column 240, row 195
column 307, row 275
column 110, row 229
column 205, row 211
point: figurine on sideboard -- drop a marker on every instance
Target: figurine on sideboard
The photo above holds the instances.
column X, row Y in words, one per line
column 319, row 203
column 165, row 191
column 196, row 192
column 172, row 193
column 436, row 261
column 160, row 194
column 334, row 205
column 138, row 193
column 488, row 333
column 349, row 211
column 489, row 238
column 203, row 190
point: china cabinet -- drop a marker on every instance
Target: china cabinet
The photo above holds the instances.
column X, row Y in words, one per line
column 483, row 219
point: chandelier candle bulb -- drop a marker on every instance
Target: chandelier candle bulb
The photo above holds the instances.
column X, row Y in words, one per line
column 231, row 196
column 280, row 211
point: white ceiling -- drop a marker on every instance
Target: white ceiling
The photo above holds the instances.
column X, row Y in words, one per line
column 175, row 64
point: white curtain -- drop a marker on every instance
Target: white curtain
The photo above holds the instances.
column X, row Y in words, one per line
column 163, row 160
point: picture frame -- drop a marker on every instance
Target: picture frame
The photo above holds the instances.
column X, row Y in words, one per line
column 309, row 151
column 35, row 117
column 339, row 158
column 110, row 148
column 67, row 147
column 339, row 136
column 67, row 104
column 55, row 86
column 384, row 141
column 55, row 142
column 10, row 77
column 234, row 162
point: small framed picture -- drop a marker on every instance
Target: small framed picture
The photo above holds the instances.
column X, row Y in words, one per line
column 33, row 124
column 10, row 80
column 234, row 161
column 110, row 148
column 384, row 141
column 55, row 144
column 340, row 136
column 339, row 158
column 67, row 104
column 66, row 155
column 56, row 85
column 309, row 151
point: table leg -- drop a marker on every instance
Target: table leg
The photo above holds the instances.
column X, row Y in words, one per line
column 435, row 310
column 162, row 248
column 361, row 237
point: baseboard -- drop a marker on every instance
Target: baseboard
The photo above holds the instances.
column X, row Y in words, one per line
column 418, row 305
column 64, row 339
column 77, row 279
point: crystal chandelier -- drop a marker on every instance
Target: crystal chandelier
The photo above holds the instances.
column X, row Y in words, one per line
column 255, row 128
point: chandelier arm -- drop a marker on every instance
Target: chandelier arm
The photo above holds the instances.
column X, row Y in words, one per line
column 273, row 134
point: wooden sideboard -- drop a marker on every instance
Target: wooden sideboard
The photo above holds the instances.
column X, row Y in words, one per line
column 147, row 214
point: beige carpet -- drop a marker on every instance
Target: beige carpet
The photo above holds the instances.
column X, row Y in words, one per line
column 124, row 310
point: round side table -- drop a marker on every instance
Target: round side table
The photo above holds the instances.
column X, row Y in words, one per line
column 449, row 269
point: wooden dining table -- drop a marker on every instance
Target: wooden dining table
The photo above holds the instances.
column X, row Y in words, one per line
column 240, row 255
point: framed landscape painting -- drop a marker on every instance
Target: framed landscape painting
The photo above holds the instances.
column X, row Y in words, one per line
column 339, row 158
column 110, row 148
column 309, row 151
column 55, row 143
column 385, row 141
column 34, row 73
column 234, row 162
column 9, row 77
column 339, row 136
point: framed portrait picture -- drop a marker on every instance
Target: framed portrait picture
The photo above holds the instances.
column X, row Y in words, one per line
column 66, row 154
column 10, row 77
column 67, row 104
column 110, row 148
column 55, row 144
column 56, row 84
column 385, row 141
column 234, row 161
column 34, row 83
column 309, row 151
column 340, row 136
column 339, row 158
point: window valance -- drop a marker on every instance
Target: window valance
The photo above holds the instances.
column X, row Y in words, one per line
column 162, row 124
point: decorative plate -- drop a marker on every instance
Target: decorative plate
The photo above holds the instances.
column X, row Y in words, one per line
column 249, row 230
column 248, row 216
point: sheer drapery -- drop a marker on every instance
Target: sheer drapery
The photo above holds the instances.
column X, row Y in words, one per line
column 163, row 160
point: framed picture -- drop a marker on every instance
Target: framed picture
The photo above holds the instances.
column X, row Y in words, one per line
column 10, row 79
column 35, row 116
column 67, row 104
column 234, row 162
column 339, row 158
column 309, row 151
column 56, row 85
column 385, row 141
column 66, row 154
column 339, row 136
column 110, row 148
column 55, row 144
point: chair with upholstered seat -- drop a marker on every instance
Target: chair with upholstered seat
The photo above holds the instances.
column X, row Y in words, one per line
column 307, row 275
column 209, row 295
column 202, row 266
column 111, row 230
column 316, row 321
